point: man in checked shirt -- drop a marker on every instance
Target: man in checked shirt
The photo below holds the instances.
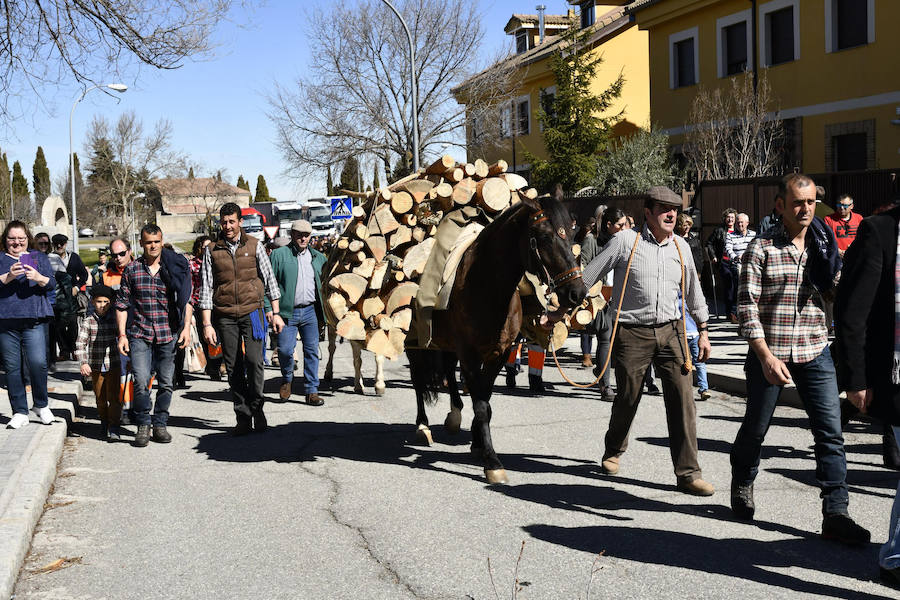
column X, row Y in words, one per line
column 782, row 317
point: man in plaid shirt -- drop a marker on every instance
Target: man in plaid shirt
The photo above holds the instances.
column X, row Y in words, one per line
column 781, row 316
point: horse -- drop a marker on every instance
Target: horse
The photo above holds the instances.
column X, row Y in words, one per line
column 484, row 313
column 357, row 348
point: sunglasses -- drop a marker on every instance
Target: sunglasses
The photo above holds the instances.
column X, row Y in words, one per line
column 845, row 205
column 119, row 254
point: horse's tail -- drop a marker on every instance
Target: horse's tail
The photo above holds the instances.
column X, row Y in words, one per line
column 427, row 370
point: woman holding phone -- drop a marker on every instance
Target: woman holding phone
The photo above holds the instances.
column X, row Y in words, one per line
column 26, row 286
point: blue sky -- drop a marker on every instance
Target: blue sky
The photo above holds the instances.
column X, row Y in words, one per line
column 217, row 107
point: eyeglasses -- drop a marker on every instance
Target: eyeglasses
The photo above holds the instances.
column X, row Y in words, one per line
column 119, row 254
column 17, row 239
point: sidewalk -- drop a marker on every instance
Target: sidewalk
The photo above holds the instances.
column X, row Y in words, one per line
column 28, row 459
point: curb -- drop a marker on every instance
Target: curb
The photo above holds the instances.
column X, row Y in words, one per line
column 22, row 500
column 738, row 387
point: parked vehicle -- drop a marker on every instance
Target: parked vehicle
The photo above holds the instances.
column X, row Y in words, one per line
column 253, row 222
column 86, row 232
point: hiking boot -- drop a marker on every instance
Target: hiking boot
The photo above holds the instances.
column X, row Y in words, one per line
column 536, row 384
column 113, row 434
column 314, row 399
column 610, row 465
column 697, row 487
column 260, row 423
column 161, row 435
column 742, row 504
column 104, row 430
column 243, row 427
column 607, row 394
column 705, row 395
column 511, row 380
column 142, row 437
column 841, row 528
column 126, row 419
column 889, row 451
column 284, row 392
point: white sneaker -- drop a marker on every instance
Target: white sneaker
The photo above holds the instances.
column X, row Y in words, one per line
column 18, row 420
column 43, row 414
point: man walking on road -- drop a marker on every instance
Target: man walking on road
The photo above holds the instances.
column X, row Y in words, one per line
column 120, row 257
column 650, row 331
column 298, row 270
column 235, row 276
column 151, row 309
column 782, row 317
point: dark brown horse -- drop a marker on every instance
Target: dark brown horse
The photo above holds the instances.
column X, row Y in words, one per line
column 484, row 315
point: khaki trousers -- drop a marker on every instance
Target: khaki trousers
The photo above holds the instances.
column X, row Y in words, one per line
column 106, row 389
column 633, row 350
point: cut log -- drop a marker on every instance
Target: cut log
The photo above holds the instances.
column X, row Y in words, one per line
column 377, row 247
column 468, row 170
column 492, row 193
column 402, row 236
column 384, row 195
column 384, row 221
column 371, row 307
column 583, row 317
column 351, row 327
column 351, row 284
column 377, row 341
column 440, row 165
column 343, row 243
column 338, row 305
column 398, row 185
column 530, row 193
column 409, row 220
column 444, row 190
column 361, row 231
column 498, row 167
column 418, row 234
column 463, row 192
column 481, row 169
column 418, row 189
column 377, row 279
column 365, row 268
column 355, row 245
column 384, row 322
column 401, row 296
column 357, row 257
column 402, row 318
column 401, row 202
column 454, row 175
column 416, row 257
column 515, row 181
column 359, row 212
column 399, row 276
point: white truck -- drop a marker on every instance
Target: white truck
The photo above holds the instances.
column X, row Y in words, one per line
column 317, row 211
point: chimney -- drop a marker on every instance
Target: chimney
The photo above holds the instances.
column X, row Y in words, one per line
column 540, row 10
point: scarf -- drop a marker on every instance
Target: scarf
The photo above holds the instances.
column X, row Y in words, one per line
column 895, row 373
column 259, row 325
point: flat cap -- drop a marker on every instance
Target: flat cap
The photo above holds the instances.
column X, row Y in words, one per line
column 302, row 226
column 59, row 239
column 663, row 195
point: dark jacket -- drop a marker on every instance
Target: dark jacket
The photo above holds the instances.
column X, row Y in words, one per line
column 864, row 315
column 697, row 252
column 715, row 244
column 176, row 274
column 238, row 287
column 77, row 270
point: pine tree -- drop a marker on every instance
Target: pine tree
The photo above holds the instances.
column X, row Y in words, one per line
column 4, row 186
column 242, row 184
column 262, row 191
column 79, row 182
column 329, row 184
column 41, row 177
column 375, row 182
column 190, row 173
column 19, row 184
column 573, row 130
column 350, row 175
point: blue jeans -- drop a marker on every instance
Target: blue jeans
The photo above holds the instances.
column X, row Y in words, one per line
column 587, row 340
column 817, row 386
column 28, row 338
column 699, row 367
column 146, row 358
column 889, row 557
column 305, row 321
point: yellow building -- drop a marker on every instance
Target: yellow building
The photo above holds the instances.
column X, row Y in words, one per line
column 614, row 36
column 832, row 66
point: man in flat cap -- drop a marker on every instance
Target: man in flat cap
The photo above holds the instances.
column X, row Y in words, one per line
column 298, row 270
column 651, row 330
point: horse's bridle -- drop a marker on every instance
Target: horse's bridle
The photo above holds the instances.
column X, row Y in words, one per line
column 553, row 281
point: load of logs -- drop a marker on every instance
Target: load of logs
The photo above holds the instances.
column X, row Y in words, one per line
column 374, row 274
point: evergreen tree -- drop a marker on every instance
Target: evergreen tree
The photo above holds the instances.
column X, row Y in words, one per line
column 403, row 167
column 636, row 164
column 573, row 130
column 79, row 182
column 262, row 191
column 41, row 177
column 4, row 186
column 329, row 184
column 350, row 175
column 19, row 184
column 241, row 183
column 191, row 173
column 375, row 182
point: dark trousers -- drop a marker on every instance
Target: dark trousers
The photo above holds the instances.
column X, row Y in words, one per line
column 66, row 333
column 243, row 361
column 817, row 386
column 634, row 349
column 730, row 280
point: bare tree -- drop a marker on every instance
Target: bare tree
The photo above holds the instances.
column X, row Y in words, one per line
column 53, row 41
column 357, row 98
column 123, row 163
column 735, row 132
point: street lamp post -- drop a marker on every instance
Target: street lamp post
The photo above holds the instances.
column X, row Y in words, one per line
column 415, row 94
column 117, row 87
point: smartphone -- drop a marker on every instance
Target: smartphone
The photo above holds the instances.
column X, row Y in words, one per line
column 28, row 260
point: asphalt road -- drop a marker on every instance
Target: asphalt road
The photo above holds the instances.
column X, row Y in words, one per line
column 332, row 502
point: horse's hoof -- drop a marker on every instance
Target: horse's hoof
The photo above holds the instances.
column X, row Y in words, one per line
column 496, row 475
column 328, row 376
column 423, row 436
column 453, row 422
column 357, row 389
column 379, row 390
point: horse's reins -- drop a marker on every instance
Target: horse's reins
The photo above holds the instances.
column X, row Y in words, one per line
column 687, row 355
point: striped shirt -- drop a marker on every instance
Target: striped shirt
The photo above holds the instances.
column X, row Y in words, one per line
column 776, row 301
column 654, row 280
column 263, row 267
column 736, row 244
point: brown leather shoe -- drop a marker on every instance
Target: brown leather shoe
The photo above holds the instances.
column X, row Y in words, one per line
column 586, row 360
column 610, row 465
column 697, row 487
column 314, row 400
column 284, row 392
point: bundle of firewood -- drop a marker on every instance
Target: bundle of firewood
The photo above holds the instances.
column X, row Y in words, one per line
column 383, row 250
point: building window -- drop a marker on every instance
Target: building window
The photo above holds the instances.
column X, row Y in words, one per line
column 684, row 60
column 522, row 41
column 505, row 121
column 848, row 24
column 849, row 152
column 733, row 44
column 587, row 14
column 780, row 31
column 523, row 117
column 850, row 146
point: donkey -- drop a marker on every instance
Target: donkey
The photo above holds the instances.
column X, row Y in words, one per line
column 484, row 314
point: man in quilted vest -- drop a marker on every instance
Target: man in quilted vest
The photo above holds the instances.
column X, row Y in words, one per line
column 235, row 275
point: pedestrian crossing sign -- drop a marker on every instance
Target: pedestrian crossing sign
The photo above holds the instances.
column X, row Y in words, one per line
column 341, row 208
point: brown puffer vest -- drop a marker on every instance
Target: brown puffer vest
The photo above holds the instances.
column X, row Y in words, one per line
column 237, row 287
